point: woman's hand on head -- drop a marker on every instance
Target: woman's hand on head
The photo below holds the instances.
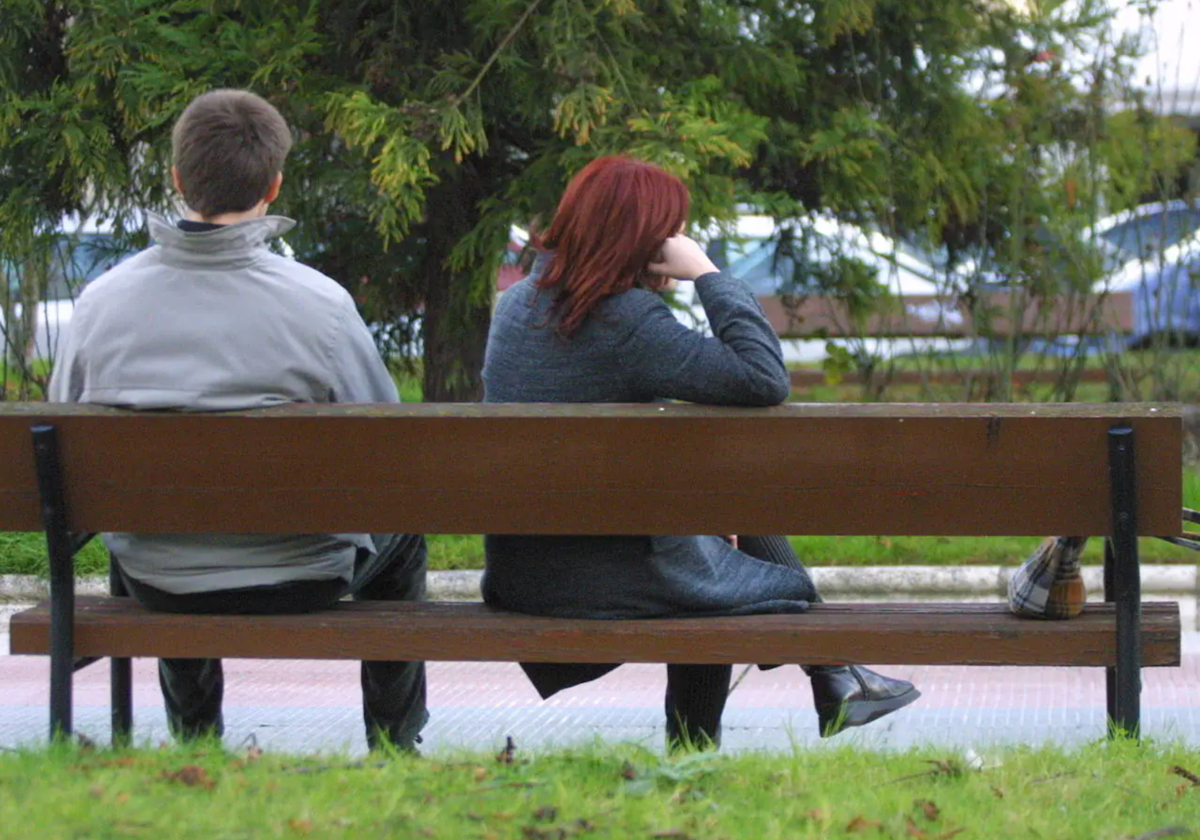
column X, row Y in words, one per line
column 683, row 259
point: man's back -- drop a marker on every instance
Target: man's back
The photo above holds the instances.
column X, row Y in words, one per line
column 213, row 321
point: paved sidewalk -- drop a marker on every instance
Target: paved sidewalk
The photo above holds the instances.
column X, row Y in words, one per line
column 308, row 705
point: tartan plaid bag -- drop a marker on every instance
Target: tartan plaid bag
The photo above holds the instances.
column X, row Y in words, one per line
column 1048, row 584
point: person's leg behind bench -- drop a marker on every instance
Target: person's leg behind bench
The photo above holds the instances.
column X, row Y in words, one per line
column 193, row 688
column 393, row 692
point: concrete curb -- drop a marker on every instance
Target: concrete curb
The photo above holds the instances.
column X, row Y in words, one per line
column 835, row 582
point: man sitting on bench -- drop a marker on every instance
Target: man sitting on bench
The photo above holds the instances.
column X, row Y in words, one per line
column 210, row 320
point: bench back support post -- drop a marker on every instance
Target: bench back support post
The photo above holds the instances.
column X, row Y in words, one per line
column 60, row 546
column 1123, row 584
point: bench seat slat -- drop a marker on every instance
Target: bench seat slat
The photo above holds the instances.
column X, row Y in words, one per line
column 890, row 633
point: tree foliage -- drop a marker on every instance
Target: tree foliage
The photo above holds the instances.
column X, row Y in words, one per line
column 426, row 129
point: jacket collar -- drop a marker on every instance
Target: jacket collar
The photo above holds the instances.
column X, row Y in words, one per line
column 242, row 238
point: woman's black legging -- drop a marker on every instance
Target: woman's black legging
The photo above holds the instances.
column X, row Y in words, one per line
column 696, row 694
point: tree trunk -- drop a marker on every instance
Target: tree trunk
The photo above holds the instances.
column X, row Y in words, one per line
column 454, row 328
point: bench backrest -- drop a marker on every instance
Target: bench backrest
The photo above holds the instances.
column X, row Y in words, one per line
column 597, row 469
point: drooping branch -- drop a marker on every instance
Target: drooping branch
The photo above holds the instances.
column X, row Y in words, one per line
column 504, row 42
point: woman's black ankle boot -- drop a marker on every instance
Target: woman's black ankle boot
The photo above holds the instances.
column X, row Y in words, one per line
column 851, row 695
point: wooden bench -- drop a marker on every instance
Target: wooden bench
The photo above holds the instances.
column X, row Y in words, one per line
column 945, row 470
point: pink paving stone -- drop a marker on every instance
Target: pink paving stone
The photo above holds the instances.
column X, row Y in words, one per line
column 324, row 684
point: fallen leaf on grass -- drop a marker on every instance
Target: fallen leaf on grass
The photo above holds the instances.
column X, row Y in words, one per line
column 96, row 791
column 124, row 761
column 1169, row 831
column 481, row 773
column 914, row 831
column 190, row 775
column 86, row 744
column 945, row 767
column 130, row 825
column 1187, row 774
column 941, row 767
column 535, row 833
column 820, row 815
column 861, row 823
column 928, row 808
column 300, row 826
column 500, row 785
column 996, row 792
column 547, row 813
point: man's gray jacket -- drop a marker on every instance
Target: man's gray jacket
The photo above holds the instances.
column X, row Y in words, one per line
column 214, row 321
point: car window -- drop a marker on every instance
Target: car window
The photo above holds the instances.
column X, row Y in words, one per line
column 1151, row 234
column 769, row 269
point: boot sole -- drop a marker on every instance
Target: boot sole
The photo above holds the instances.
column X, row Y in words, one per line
column 860, row 712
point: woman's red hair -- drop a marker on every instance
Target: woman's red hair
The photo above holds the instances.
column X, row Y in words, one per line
column 612, row 220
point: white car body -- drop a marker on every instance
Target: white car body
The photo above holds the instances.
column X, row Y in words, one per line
column 87, row 250
column 1153, row 252
column 1133, row 240
column 898, row 270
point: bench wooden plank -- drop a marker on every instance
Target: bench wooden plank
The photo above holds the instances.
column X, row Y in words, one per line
column 915, row 634
column 797, row 469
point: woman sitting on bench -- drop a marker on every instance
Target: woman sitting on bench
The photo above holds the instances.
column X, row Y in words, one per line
column 588, row 325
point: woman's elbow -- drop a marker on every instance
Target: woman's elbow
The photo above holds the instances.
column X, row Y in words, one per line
column 772, row 390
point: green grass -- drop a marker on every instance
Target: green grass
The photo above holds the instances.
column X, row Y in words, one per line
column 25, row 554
column 1102, row 791
column 1172, row 372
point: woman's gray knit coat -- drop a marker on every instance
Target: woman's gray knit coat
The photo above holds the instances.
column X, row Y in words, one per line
column 632, row 349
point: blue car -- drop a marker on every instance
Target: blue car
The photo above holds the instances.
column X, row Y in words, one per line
column 1154, row 254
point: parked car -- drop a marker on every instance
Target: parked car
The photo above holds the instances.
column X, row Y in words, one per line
column 1154, row 253
column 1151, row 252
column 800, row 257
column 83, row 250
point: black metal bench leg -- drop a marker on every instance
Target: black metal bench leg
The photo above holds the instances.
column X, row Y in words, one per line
column 59, row 545
column 121, row 673
column 1110, row 595
column 1127, row 582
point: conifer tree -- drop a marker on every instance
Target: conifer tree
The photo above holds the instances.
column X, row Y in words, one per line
column 426, row 128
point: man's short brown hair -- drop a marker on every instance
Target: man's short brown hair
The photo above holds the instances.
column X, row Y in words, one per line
column 228, row 146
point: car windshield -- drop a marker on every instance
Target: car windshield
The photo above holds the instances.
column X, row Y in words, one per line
column 777, row 267
column 1153, row 233
column 754, row 262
